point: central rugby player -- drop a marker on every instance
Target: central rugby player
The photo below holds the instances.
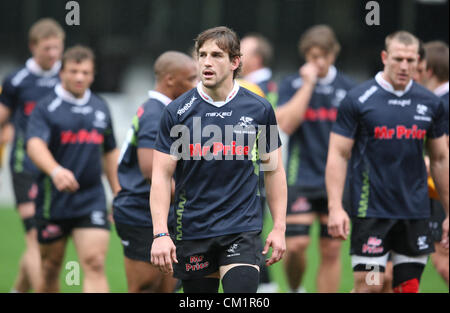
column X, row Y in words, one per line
column 217, row 201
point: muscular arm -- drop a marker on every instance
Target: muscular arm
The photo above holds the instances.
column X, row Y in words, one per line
column 339, row 152
column 39, row 153
column 163, row 251
column 145, row 159
column 290, row 116
column 5, row 113
column 439, row 159
column 110, row 160
column 438, row 150
column 276, row 191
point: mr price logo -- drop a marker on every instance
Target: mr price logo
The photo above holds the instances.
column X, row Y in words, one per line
column 400, row 132
column 195, row 263
column 218, row 148
column 82, row 136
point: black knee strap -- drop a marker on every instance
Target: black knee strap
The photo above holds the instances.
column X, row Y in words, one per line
column 241, row 279
column 407, row 271
column 293, row 230
column 29, row 223
column 324, row 231
column 201, row 285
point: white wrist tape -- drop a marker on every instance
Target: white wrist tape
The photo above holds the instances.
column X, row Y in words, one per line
column 55, row 171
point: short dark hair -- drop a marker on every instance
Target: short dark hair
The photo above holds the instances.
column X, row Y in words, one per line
column 321, row 36
column 78, row 54
column 437, row 55
column 226, row 39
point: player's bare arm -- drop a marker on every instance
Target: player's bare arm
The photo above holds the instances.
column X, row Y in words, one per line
column 110, row 160
column 39, row 153
column 439, row 159
column 339, row 152
column 5, row 113
column 276, row 190
column 163, row 249
column 291, row 115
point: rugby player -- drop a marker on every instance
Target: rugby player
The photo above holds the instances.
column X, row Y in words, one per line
column 21, row 90
column 218, row 210
column 307, row 107
column 382, row 125
column 257, row 54
column 435, row 78
column 175, row 74
column 70, row 139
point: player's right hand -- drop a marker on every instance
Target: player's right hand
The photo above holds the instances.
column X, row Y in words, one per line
column 64, row 180
column 309, row 73
column 338, row 223
column 163, row 254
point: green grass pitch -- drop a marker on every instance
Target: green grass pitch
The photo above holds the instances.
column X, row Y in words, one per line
column 12, row 245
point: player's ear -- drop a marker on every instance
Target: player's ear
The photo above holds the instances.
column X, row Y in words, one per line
column 235, row 62
column 170, row 80
column 384, row 56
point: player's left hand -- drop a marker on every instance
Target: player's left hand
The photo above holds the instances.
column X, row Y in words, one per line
column 277, row 241
column 444, row 241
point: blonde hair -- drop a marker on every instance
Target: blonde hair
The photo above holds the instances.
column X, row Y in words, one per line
column 45, row 28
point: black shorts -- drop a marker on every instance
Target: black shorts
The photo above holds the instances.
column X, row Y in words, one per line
column 50, row 231
column 136, row 241
column 24, row 186
column 202, row 257
column 300, row 203
column 375, row 237
column 436, row 219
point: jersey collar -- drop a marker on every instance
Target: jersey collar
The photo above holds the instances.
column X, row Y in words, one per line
column 36, row 69
column 442, row 89
column 152, row 94
column 330, row 77
column 389, row 88
column 68, row 97
column 259, row 76
column 218, row 104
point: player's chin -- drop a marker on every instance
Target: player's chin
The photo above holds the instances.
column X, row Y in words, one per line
column 209, row 83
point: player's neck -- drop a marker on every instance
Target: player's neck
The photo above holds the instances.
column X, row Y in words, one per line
column 221, row 91
column 165, row 91
column 433, row 83
column 394, row 86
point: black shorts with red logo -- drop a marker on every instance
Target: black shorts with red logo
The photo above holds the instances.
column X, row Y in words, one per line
column 50, row 231
column 24, row 186
column 202, row 257
column 374, row 237
column 301, row 201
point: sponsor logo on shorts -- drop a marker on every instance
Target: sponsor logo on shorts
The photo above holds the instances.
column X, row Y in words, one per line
column 422, row 243
column 33, row 192
column 196, row 263
column 125, row 243
column 232, row 250
column 301, row 205
column 373, row 246
column 51, row 231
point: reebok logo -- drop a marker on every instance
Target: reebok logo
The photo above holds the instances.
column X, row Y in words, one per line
column 186, row 106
